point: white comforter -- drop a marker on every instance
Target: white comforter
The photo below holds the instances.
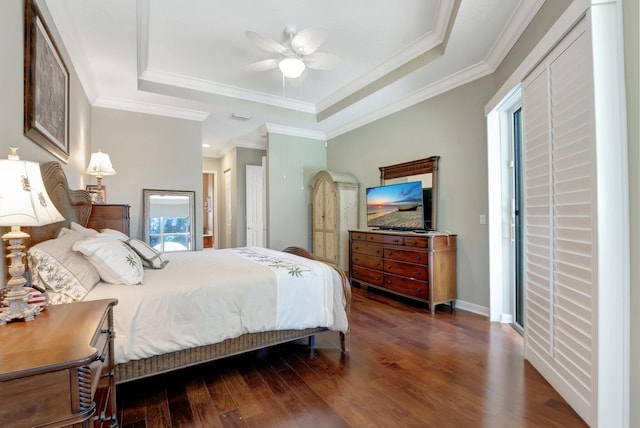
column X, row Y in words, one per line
column 205, row 297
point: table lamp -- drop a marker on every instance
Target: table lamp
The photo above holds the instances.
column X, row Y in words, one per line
column 100, row 165
column 24, row 201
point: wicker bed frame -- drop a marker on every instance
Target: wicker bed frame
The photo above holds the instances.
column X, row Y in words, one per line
column 75, row 205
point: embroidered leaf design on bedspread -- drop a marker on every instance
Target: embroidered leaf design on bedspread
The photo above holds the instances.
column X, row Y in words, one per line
column 274, row 262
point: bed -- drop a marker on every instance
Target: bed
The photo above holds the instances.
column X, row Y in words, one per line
column 146, row 347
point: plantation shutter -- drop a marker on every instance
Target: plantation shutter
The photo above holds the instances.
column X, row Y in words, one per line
column 559, row 218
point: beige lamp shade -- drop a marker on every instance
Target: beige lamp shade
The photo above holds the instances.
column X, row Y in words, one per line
column 100, row 165
column 24, row 201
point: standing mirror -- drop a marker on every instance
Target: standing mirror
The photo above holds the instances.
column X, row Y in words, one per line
column 169, row 219
column 425, row 170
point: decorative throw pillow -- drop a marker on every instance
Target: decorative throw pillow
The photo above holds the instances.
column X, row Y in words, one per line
column 37, row 298
column 84, row 231
column 150, row 256
column 114, row 260
column 62, row 270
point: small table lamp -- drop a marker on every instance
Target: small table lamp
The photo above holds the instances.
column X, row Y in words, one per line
column 100, row 165
column 24, row 201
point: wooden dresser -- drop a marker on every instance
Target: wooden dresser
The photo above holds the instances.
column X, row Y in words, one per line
column 420, row 266
column 58, row 369
column 110, row 216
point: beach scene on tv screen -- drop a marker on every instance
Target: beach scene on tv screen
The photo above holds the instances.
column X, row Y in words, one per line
column 397, row 206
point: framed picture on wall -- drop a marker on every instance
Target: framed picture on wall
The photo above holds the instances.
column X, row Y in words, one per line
column 98, row 195
column 46, row 87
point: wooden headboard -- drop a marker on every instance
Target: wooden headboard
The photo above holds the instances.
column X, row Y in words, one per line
column 74, row 205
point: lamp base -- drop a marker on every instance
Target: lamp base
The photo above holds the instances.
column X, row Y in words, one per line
column 18, row 297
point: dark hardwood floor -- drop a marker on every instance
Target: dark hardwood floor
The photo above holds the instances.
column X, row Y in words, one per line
column 406, row 369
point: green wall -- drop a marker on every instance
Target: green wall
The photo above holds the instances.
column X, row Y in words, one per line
column 292, row 162
column 452, row 126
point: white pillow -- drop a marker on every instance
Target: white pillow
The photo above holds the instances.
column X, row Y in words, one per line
column 113, row 234
column 84, row 231
column 114, row 260
column 62, row 270
column 150, row 256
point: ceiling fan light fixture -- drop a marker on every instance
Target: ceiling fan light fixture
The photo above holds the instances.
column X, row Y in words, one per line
column 291, row 67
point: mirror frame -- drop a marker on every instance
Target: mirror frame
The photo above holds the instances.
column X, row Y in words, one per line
column 146, row 209
column 417, row 167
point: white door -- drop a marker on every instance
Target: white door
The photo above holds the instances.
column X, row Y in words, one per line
column 255, row 206
column 228, row 219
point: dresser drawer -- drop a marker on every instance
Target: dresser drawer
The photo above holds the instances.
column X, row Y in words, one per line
column 368, row 275
column 366, row 261
column 385, row 239
column 419, row 257
column 406, row 269
column 416, row 241
column 359, row 236
column 372, row 250
column 410, row 287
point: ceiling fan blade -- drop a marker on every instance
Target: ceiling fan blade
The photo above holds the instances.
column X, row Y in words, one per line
column 322, row 61
column 266, row 64
column 308, row 40
column 265, row 43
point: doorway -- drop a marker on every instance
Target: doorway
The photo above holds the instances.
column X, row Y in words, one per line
column 516, row 222
column 209, row 217
column 504, row 127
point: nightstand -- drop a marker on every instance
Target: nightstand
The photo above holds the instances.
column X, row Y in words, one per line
column 58, row 369
column 109, row 216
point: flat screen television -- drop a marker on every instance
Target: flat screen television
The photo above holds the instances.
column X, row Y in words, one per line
column 396, row 206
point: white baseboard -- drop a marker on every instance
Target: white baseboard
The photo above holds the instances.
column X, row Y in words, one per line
column 472, row 307
column 506, row 319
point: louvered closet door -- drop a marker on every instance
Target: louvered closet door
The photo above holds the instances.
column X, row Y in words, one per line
column 559, row 218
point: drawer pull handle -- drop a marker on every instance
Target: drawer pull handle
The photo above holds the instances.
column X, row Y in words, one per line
column 111, row 373
column 102, row 358
column 103, row 417
column 419, row 289
column 377, row 278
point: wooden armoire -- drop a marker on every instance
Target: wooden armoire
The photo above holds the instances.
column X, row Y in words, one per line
column 335, row 211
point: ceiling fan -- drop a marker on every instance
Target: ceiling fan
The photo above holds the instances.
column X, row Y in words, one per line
column 300, row 51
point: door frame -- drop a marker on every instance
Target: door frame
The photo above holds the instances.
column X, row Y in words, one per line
column 214, row 205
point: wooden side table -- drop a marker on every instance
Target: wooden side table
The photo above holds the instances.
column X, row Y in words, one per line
column 110, row 216
column 58, row 370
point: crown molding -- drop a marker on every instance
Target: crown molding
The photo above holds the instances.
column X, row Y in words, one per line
column 521, row 18
column 419, row 47
column 450, row 82
column 150, row 108
column 187, row 82
column 295, row 132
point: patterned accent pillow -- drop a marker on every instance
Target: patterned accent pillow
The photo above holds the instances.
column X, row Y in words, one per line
column 37, row 298
column 114, row 260
column 62, row 270
column 150, row 256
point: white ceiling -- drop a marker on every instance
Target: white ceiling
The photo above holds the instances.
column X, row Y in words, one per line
column 187, row 59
